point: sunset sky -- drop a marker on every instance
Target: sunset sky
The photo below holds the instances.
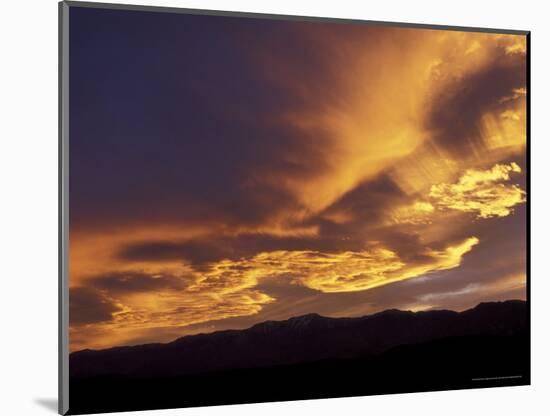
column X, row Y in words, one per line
column 227, row 171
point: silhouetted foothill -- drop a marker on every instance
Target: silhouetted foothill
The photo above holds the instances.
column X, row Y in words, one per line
column 300, row 339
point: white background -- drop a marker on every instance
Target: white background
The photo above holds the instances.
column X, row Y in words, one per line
column 28, row 205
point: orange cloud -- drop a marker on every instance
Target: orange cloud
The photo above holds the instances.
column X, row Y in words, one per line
column 227, row 288
column 329, row 272
column 376, row 115
column 419, row 212
column 349, row 272
column 481, row 192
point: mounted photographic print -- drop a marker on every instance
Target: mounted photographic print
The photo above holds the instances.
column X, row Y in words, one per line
column 260, row 208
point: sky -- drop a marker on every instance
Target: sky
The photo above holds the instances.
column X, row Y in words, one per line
column 228, row 171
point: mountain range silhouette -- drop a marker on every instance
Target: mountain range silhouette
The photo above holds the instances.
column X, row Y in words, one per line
column 316, row 356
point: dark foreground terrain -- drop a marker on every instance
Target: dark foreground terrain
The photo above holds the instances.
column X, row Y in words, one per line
column 310, row 357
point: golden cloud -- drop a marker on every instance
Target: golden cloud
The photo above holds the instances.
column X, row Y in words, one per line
column 227, row 288
column 347, row 271
column 481, row 191
column 419, row 212
column 377, row 114
column 350, row 272
column 167, row 308
column 476, row 111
